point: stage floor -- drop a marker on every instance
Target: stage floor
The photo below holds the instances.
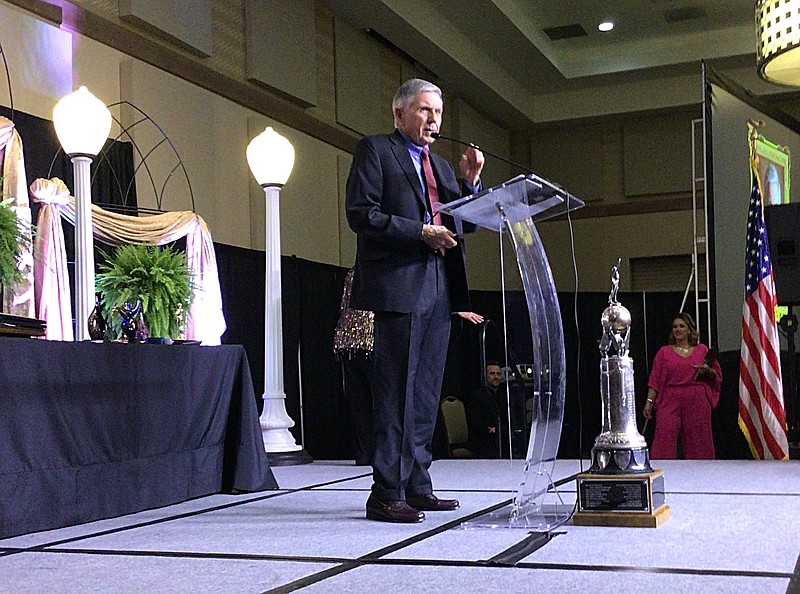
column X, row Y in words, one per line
column 734, row 527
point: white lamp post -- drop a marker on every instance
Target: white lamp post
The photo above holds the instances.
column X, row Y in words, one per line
column 271, row 158
column 82, row 124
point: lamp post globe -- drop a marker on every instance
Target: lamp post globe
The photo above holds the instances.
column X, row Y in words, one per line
column 82, row 124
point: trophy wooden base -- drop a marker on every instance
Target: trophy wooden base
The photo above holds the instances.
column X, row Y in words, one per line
column 626, row 500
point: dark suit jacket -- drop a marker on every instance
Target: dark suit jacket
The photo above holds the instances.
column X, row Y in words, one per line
column 483, row 411
column 386, row 208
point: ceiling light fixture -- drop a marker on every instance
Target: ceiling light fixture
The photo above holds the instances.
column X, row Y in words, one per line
column 605, row 26
column 778, row 38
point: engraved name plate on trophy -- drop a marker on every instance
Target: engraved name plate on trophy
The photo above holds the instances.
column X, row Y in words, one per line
column 620, row 488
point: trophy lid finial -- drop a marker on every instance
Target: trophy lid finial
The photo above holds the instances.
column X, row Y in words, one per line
column 612, row 297
column 616, row 320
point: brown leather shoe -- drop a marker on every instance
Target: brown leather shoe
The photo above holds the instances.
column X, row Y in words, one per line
column 392, row 511
column 430, row 502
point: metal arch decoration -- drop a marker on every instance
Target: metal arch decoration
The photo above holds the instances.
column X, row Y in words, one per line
column 8, row 81
column 126, row 134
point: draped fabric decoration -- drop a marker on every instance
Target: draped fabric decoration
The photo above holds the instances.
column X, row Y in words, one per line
column 17, row 300
column 50, row 268
column 205, row 320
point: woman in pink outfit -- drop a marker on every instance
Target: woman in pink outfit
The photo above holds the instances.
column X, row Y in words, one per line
column 683, row 391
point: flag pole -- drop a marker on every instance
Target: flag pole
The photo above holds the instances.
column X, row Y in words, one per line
column 762, row 414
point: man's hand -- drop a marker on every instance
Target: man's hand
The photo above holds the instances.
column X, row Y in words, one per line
column 470, row 316
column 438, row 237
column 471, row 165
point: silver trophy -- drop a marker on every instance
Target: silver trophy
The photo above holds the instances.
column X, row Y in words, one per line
column 620, row 448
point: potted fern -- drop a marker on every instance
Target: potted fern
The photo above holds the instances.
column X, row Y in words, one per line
column 12, row 242
column 157, row 277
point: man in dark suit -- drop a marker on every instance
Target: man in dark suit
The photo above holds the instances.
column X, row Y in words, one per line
column 483, row 415
column 410, row 271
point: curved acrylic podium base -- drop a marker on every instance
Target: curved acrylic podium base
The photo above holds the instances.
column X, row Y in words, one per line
column 549, row 513
column 538, row 504
column 513, row 207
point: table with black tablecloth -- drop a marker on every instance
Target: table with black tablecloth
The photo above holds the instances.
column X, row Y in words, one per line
column 91, row 431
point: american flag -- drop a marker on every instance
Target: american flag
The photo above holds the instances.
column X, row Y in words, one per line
column 762, row 416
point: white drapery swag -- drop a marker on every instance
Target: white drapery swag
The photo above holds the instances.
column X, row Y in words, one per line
column 204, row 322
column 17, row 299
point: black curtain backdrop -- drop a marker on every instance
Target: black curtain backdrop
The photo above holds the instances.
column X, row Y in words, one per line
column 311, row 297
column 311, row 294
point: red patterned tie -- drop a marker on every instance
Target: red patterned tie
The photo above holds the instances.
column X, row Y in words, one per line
column 433, row 191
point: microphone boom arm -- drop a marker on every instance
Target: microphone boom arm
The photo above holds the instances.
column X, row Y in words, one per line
column 438, row 136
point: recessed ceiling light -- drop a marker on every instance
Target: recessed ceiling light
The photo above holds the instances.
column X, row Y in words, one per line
column 605, row 26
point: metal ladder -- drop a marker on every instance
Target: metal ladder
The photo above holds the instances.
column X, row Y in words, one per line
column 699, row 199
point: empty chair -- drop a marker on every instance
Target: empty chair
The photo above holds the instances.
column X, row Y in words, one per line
column 455, row 424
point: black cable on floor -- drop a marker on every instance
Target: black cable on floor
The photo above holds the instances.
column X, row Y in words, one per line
column 512, row 555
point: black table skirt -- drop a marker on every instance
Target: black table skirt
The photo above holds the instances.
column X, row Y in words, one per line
column 91, row 431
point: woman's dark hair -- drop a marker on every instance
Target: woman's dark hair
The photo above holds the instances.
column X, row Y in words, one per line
column 694, row 337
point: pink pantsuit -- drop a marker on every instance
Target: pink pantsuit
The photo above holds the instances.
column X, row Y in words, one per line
column 683, row 405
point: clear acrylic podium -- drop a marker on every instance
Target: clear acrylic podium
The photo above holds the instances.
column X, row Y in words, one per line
column 515, row 206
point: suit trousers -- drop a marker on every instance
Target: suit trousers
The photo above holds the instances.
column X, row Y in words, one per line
column 409, row 356
column 356, row 369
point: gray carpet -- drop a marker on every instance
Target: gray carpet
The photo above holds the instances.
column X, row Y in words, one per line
column 734, row 527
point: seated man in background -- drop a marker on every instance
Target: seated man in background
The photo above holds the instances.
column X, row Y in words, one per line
column 483, row 415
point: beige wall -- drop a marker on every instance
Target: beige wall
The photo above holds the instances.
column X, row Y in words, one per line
column 599, row 242
column 618, row 166
column 206, row 132
column 39, row 59
column 608, row 161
